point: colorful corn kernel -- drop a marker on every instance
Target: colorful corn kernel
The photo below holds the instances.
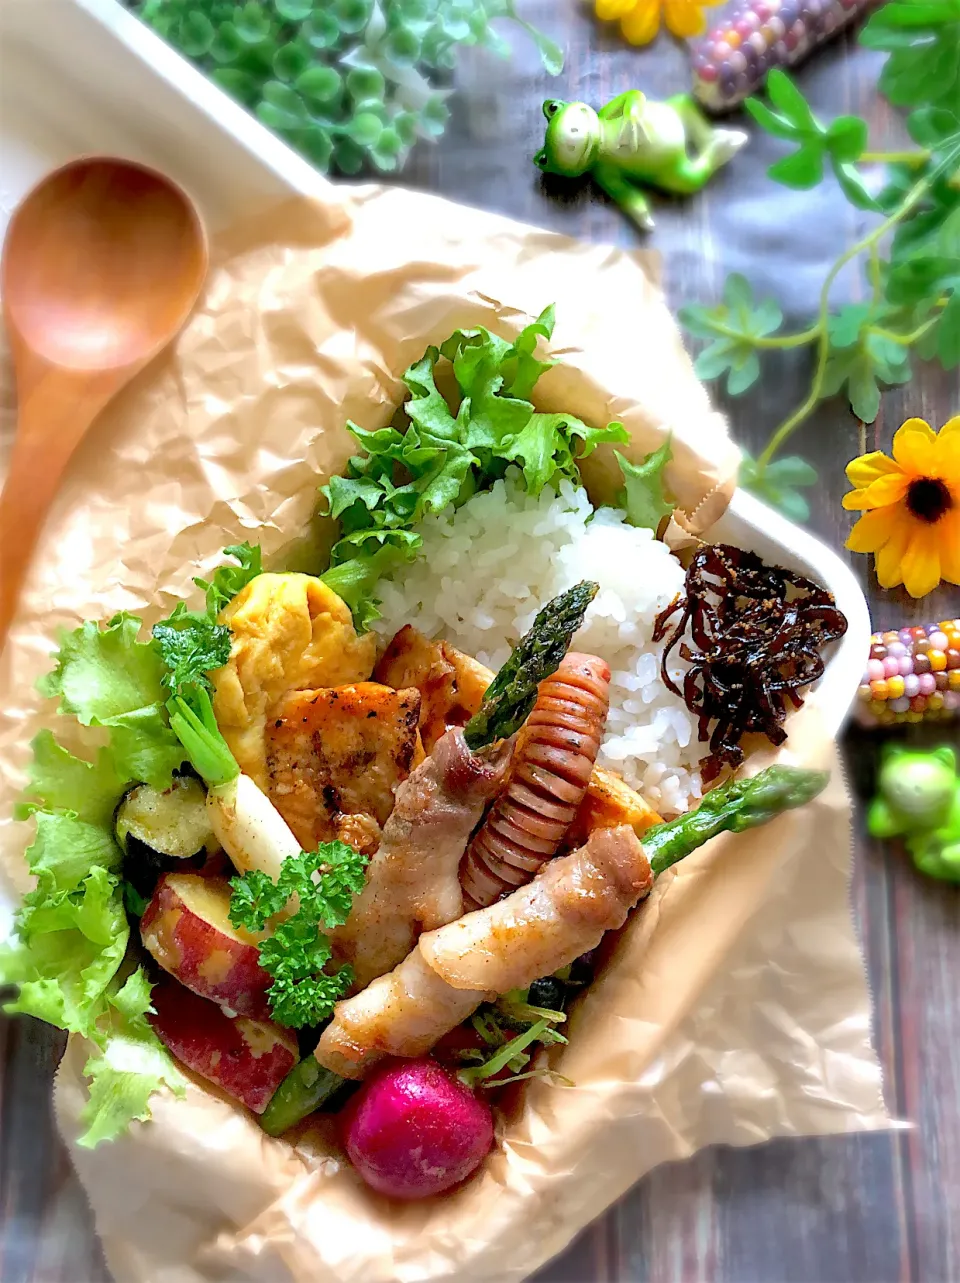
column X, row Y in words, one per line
column 911, row 675
column 732, row 61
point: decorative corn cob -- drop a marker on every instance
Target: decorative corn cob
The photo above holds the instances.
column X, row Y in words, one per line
column 912, row 675
column 732, row 61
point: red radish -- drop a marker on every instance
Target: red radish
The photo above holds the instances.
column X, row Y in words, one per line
column 415, row 1130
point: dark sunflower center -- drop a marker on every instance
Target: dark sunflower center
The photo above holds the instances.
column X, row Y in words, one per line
column 929, row 499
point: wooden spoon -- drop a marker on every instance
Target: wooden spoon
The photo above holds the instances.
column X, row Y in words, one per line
column 102, row 265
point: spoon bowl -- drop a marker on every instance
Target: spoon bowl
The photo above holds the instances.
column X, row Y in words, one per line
column 88, row 250
column 102, row 265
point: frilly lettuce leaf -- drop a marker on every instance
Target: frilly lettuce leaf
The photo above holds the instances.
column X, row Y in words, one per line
column 70, row 946
column 642, row 496
column 545, row 447
column 72, row 933
column 227, row 581
column 66, row 849
column 58, row 781
column 106, row 677
column 69, row 951
column 445, row 449
column 355, row 580
column 131, row 1067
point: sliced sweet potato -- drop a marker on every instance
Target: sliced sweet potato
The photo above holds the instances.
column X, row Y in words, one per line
column 609, row 802
column 248, row 1059
column 340, row 752
column 186, row 928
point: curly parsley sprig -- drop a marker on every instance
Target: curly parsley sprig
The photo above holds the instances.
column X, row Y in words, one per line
column 298, row 954
column 191, row 642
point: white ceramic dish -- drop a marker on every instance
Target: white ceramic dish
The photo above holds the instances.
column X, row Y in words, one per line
column 84, row 75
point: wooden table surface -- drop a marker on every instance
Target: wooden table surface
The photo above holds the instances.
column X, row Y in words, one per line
column 860, row 1209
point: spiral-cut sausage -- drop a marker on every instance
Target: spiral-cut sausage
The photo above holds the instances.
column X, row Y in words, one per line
column 552, row 767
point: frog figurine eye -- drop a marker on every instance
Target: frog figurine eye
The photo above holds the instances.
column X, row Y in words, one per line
column 552, row 106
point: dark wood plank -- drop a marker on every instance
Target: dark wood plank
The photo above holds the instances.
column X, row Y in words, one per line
column 863, row 1209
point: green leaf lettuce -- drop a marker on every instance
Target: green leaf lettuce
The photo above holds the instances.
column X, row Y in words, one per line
column 444, row 447
column 642, row 496
column 106, row 677
column 71, row 932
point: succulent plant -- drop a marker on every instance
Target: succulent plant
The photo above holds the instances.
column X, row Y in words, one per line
column 351, row 84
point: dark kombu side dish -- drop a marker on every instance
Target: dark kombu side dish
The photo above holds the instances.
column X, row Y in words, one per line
column 758, row 632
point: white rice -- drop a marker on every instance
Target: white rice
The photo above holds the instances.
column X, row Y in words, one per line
column 484, row 572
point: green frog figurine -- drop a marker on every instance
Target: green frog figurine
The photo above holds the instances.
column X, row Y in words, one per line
column 634, row 140
column 919, row 799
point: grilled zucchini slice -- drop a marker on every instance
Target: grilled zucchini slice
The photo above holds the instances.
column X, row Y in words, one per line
column 172, row 823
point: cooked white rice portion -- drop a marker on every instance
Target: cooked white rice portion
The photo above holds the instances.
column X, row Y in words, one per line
column 484, row 572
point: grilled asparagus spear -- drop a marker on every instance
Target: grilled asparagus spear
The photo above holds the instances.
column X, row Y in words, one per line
column 732, row 807
column 513, row 692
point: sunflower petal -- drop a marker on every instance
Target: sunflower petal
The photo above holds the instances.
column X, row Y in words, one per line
column 921, row 561
column 879, row 494
column 856, row 501
column 872, row 530
column 914, row 447
column 888, row 559
column 642, row 23
column 889, row 489
column 609, row 10
column 949, row 531
column 684, row 18
column 869, row 468
column 948, row 455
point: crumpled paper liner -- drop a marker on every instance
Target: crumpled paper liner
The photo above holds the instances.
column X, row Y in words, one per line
column 733, row 1007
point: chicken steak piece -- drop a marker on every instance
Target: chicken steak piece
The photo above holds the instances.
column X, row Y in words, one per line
column 335, row 758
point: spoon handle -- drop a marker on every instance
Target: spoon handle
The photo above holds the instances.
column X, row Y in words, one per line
column 56, row 411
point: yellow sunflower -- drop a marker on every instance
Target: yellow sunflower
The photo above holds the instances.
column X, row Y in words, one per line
column 640, row 19
column 911, row 507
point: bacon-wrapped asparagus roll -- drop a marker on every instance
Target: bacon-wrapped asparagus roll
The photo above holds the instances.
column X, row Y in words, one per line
column 563, row 913
column 400, row 1014
column 412, row 880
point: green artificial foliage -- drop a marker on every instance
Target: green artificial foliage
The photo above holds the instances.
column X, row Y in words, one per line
column 911, row 254
column 351, row 84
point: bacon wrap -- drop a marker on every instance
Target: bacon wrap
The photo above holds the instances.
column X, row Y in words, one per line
column 400, row 1014
column 544, row 926
column 412, row 880
column 563, row 913
column 551, row 771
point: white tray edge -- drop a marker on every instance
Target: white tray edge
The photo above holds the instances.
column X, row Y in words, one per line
column 287, row 173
